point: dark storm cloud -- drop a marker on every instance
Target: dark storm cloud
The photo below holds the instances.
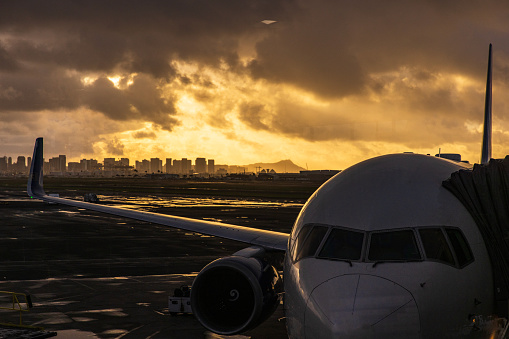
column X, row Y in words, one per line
column 313, row 125
column 313, row 53
column 326, row 47
column 334, row 50
column 38, row 88
column 138, row 36
column 104, row 97
column 7, row 63
column 54, row 89
column 141, row 100
column 115, row 147
column 144, row 135
column 253, row 115
column 47, row 47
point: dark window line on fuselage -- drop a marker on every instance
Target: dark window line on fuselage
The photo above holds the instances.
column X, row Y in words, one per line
column 442, row 244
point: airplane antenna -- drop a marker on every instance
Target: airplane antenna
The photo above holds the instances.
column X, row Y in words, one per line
column 486, row 138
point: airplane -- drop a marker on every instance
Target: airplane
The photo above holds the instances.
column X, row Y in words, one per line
column 381, row 250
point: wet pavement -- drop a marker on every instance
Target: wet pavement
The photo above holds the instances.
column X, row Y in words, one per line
column 110, row 277
column 117, row 307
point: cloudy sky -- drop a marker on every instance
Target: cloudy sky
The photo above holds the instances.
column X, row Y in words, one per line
column 330, row 83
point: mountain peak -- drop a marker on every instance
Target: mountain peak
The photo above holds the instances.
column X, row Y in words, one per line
column 282, row 166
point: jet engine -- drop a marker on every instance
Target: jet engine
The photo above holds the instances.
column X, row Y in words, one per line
column 234, row 294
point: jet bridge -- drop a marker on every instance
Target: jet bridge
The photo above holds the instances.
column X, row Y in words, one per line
column 484, row 191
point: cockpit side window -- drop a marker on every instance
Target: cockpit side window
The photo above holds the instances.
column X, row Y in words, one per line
column 342, row 244
column 460, row 246
column 435, row 245
column 393, row 246
column 310, row 244
column 304, row 231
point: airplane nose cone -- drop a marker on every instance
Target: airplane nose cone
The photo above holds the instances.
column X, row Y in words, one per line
column 361, row 306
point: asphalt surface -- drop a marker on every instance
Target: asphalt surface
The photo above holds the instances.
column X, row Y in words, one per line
column 95, row 275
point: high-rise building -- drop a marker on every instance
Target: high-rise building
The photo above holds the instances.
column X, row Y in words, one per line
column 109, row 164
column 3, row 164
column 29, row 163
column 124, row 162
column 89, row 165
column 142, row 166
column 200, row 165
column 54, row 164
column 62, row 163
column 177, row 166
column 74, row 167
column 9, row 164
column 167, row 166
column 211, row 166
column 21, row 164
column 155, row 165
column 145, row 164
column 186, row 166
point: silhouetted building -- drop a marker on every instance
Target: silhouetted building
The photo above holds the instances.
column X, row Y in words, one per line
column 186, row 166
column 58, row 164
column 54, row 164
column 200, row 165
column 124, row 162
column 3, row 164
column 211, row 167
column 221, row 169
column 156, row 165
column 109, row 164
column 450, row 156
column 167, row 166
column 21, row 165
column 177, row 166
column 89, row 165
column 74, row 167
column 142, row 166
column 63, row 163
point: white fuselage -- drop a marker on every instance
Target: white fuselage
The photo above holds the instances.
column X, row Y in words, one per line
column 363, row 297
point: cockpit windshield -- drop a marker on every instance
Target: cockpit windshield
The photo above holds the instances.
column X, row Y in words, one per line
column 441, row 244
column 393, row 246
column 342, row 244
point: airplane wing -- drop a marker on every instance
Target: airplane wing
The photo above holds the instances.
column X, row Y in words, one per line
column 263, row 238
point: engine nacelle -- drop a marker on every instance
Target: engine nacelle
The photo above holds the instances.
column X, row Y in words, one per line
column 234, row 294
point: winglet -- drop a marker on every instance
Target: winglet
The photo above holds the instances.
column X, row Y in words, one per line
column 35, row 186
column 486, row 138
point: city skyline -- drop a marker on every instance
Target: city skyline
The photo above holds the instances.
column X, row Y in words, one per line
column 327, row 84
column 182, row 166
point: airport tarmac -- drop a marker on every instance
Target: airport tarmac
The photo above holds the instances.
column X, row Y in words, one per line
column 118, row 307
column 110, row 277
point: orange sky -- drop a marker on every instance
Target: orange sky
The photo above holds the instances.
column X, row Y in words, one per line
column 329, row 84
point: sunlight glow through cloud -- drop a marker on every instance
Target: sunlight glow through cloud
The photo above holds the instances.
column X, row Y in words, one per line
column 319, row 83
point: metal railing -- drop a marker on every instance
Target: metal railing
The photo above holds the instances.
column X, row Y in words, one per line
column 19, row 302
